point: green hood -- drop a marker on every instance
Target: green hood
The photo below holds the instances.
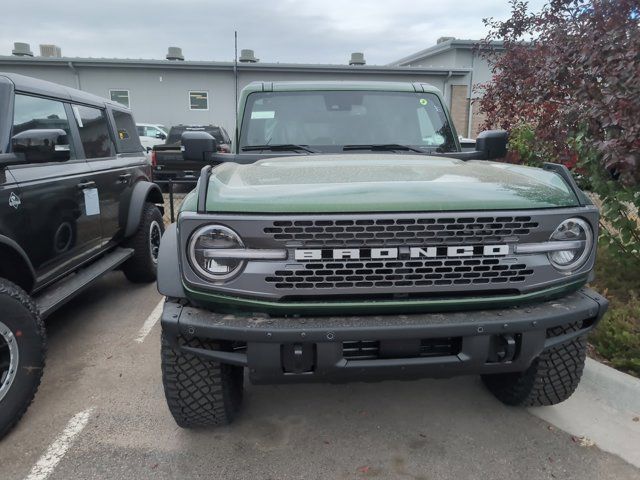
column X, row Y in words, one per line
column 380, row 183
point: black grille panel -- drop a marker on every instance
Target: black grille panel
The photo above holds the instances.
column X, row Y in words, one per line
column 429, row 347
column 401, row 231
column 337, row 274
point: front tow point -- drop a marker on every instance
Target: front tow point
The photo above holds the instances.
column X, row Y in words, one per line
column 298, row 357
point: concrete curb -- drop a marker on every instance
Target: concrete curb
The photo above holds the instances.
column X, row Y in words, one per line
column 602, row 409
column 618, row 389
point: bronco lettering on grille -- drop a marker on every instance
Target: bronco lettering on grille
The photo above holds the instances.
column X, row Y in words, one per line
column 402, row 252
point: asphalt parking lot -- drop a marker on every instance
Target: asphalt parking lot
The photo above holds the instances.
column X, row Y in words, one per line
column 100, row 413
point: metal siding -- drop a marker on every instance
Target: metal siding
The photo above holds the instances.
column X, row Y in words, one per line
column 166, row 101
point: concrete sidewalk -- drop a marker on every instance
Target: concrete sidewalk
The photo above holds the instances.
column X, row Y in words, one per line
column 605, row 409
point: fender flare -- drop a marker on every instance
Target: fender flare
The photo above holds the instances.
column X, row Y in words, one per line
column 143, row 191
column 23, row 258
column 169, row 276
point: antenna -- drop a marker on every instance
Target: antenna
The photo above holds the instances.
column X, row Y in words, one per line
column 235, row 75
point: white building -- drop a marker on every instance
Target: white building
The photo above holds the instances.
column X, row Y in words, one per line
column 174, row 90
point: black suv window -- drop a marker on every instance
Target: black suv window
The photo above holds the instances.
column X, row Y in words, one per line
column 128, row 140
column 94, row 132
column 34, row 113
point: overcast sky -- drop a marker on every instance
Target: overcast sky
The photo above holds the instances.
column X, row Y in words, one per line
column 298, row 31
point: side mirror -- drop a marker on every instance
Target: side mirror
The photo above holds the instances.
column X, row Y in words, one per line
column 161, row 136
column 41, row 145
column 492, row 144
column 198, row 146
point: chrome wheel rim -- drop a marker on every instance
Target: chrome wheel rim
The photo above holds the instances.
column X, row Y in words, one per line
column 155, row 234
column 9, row 358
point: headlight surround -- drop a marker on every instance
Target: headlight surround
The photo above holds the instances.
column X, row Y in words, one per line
column 215, row 237
column 571, row 229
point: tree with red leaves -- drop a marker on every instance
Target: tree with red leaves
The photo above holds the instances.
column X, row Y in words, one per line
column 571, row 73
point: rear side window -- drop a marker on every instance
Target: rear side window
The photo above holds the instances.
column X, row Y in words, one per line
column 126, row 131
column 34, row 113
column 94, row 132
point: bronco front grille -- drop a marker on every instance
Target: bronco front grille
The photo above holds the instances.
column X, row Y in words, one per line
column 324, row 274
column 400, row 231
column 342, row 274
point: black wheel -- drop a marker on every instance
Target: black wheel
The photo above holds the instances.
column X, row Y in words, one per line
column 22, row 353
column 200, row 393
column 143, row 266
column 551, row 378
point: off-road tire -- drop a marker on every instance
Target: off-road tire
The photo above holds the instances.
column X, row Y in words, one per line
column 19, row 315
column 551, row 378
column 141, row 267
column 200, row 393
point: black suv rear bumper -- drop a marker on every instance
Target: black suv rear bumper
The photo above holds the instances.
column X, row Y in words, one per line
column 282, row 350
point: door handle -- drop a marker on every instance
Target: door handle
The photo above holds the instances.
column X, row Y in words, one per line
column 124, row 178
column 89, row 184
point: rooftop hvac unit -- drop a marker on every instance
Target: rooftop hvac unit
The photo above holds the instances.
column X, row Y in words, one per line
column 21, row 49
column 50, row 51
column 174, row 53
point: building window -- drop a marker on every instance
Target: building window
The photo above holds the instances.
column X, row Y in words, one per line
column 120, row 96
column 198, row 100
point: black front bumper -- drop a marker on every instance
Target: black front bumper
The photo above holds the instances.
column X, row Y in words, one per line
column 302, row 349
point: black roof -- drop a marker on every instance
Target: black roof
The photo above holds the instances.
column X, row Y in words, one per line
column 23, row 83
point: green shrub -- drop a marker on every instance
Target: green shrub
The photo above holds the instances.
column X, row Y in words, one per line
column 617, row 337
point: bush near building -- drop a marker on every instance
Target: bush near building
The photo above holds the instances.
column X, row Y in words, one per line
column 567, row 87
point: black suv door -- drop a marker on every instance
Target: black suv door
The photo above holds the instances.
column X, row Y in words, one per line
column 55, row 196
column 114, row 171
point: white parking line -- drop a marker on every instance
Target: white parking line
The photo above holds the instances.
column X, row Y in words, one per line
column 151, row 320
column 59, row 447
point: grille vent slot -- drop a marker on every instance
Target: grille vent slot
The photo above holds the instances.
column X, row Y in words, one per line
column 337, row 274
column 402, row 231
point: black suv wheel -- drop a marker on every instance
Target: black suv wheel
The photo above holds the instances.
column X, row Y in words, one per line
column 143, row 266
column 551, row 378
column 200, row 393
column 22, row 353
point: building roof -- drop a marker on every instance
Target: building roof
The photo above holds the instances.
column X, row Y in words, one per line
column 443, row 46
column 72, row 62
column 305, row 86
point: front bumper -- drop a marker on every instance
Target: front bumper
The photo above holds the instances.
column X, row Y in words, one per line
column 305, row 349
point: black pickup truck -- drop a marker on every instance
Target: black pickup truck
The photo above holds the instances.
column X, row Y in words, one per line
column 167, row 160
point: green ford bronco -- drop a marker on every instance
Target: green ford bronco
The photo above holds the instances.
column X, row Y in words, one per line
column 348, row 238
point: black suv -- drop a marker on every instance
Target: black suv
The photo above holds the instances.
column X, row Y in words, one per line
column 76, row 202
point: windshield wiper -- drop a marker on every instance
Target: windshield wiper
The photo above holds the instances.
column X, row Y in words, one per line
column 279, row 148
column 383, row 147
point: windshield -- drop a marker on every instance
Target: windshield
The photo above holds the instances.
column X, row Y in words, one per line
column 330, row 120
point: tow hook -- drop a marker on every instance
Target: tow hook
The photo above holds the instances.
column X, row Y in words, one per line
column 503, row 348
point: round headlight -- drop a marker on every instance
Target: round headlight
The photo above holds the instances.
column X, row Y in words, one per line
column 202, row 252
column 578, row 232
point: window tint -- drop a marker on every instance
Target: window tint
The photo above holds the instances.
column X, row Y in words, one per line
column 94, row 132
column 128, row 140
column 33, row 113
column 120, row 96
column 199, row 100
